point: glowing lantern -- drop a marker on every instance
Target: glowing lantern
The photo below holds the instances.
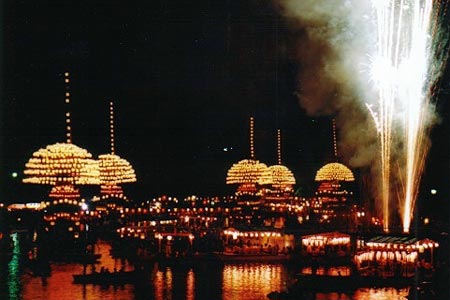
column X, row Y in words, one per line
column 246, row 174
column 334, row 172
column 61, row 164
column 114, row 170
column 279, row 177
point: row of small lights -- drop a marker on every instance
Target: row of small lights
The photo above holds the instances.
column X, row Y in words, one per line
column 252, row 234
column 397, row 246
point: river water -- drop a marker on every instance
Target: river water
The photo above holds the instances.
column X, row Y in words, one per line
column 249, row 281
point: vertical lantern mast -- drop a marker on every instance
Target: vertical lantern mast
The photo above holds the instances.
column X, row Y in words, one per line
column 252, row 147
column 335, row 140
column 279, row 146
column 68, row 124
column 111, row 125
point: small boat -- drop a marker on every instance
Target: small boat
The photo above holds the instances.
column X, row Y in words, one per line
column 108, row 278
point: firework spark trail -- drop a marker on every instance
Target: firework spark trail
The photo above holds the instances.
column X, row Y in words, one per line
column 400, row 72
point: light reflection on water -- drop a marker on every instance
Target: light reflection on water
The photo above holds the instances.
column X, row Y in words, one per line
column 204, row 282
column 252, row 281
column 366, row 294
column 13, row 270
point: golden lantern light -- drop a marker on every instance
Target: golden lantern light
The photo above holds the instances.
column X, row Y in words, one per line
column 246, row 172
column 66, row 192
column 334, row 172
column 278, row 177
column 62, row 165
column 114, row 170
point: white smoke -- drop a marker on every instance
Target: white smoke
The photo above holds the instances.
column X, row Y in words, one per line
column 333, row 39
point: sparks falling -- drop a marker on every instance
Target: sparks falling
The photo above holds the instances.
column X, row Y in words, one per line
column 401, row 70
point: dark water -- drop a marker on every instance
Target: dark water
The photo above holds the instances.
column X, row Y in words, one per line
column 203, row 282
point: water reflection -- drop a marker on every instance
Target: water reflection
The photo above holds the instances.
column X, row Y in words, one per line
column 366, row 294
column 252, row 281
column 201, row 282
column 13, row 270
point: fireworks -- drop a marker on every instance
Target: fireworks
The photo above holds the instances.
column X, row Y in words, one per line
column 400, row 70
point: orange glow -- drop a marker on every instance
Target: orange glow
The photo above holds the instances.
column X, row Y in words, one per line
column 61, row 164
column 246, row 173
column 278, row 176
column 64, row 192
column 334, row 171
column 115, row 170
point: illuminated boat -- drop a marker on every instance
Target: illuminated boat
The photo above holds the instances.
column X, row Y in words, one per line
column 252, row 243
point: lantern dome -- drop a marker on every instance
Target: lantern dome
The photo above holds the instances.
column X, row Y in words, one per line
column 278, row 176
column 61, row 164
column 115, row 170
column 334, row 172
column 245, row 171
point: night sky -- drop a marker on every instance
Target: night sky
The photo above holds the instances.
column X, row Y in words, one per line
column 184, row 76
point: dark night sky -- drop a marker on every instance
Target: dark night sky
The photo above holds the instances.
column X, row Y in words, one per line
column 184, row 75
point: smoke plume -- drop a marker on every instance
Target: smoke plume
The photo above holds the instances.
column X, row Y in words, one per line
column 331, row 39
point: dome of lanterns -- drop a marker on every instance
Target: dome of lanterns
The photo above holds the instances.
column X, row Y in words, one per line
column 278, row 176
column 61, row 164
column 114, row 170
column 245, row 171
column 334, row 172
column 246, row 174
